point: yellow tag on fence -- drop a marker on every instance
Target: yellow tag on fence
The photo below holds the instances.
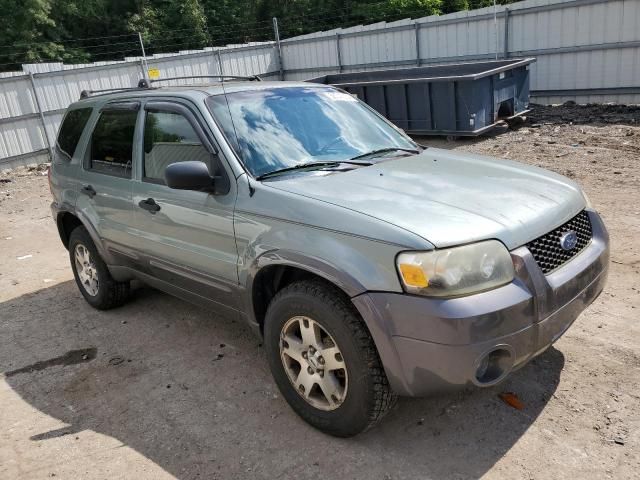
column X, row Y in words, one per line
column 154, row 73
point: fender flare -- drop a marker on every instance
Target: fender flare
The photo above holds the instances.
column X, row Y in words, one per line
column 290, row 258
column 93, row 233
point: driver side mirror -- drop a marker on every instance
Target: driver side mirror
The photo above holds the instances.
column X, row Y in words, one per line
column 194, row 175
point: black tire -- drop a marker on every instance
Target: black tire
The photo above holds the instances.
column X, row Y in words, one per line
column 110, row 293
column 368, row 396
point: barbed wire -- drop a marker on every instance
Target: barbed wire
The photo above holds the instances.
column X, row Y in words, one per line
column 90, row 49
column 42, row 42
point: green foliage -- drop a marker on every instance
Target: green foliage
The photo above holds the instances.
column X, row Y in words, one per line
column 78, row 31
column 23, row 23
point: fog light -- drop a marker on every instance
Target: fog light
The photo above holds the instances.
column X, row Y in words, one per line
column 494, row 366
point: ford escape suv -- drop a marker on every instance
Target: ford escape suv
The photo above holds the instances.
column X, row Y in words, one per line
column 372, row 267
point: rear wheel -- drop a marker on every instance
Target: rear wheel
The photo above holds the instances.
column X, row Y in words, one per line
column 324, row 361
column 97, row 286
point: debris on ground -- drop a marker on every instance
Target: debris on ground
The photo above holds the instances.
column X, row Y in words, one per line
column 116, row 360
column 512, row 400
column 571, row 113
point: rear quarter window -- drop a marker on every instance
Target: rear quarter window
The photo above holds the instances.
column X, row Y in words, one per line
column 71, row 130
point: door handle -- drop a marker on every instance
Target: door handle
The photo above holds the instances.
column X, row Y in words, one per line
column 88, row 190
column 150, row 205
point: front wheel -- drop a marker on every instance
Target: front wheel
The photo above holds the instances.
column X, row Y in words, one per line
column 324, row 361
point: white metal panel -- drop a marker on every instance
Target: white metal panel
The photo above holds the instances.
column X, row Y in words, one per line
column 248, row 62
column 52, row 122
column 630, row 21
column 16, row 97
column 379, row 46
column 57, row 90
column 20, row 137
column 320, row 53
column 182, row 66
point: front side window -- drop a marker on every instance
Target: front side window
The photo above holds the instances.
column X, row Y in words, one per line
column 277, row 128
column 169, row 138
column 71, row 129
column 112, row 142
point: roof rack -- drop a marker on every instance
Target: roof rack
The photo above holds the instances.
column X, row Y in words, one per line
column 144, row 83
column 88, row 93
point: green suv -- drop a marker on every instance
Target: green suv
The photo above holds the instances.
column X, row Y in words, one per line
column 371, row 266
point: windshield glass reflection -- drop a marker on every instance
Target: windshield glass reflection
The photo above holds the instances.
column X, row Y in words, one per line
column 283, row 127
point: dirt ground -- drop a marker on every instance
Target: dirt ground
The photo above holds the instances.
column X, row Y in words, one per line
column 162, row 389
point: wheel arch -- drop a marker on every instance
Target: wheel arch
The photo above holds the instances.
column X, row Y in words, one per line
column 68, row 220
column 276, row 269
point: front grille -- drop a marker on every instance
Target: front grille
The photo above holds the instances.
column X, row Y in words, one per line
column 547, row 250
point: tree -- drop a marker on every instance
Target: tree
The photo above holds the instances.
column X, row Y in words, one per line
column 23, row 33
column 170, row 25
column 449, row 6
column 91, row 30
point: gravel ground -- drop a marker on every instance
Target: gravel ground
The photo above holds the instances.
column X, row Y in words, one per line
column 162, row 389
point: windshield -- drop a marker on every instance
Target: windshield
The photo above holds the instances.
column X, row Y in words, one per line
column 283, row 127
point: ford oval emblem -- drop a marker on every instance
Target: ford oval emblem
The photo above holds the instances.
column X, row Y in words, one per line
column 569, row 240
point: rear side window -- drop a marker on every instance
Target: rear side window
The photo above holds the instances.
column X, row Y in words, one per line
column 71, row 129
column 112, row 142
column 169, row 138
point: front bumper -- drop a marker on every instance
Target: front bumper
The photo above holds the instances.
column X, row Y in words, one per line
column 430, row 345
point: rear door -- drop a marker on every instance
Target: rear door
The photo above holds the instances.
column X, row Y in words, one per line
column 65, row 163
column 187, row 236
column 106, row 176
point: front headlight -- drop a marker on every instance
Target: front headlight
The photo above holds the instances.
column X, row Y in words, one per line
column 456, row 271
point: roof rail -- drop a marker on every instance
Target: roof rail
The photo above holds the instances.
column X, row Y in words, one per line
column 144, row 83
column 88, row 93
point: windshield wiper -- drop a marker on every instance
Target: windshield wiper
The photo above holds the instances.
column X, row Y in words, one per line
column 300, row 166
column 311, row 166
column 385, row 150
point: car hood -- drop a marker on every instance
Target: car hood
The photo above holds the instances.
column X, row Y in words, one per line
column 450, row 198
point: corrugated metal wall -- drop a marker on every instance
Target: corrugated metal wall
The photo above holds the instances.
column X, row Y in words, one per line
column 586, row 50
column 25, row 135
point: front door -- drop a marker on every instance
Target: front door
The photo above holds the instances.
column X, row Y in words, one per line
column 186, row 237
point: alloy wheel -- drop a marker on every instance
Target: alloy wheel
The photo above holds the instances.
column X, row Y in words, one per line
column 314, row 363
column 86, row 269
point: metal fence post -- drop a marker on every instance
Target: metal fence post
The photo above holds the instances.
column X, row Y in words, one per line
column 144, row 58
column 506, row 33
column 219, row 62
column 417, row 27
column 338, row 52
column 41, row 113
column 143, row 69
column 276, row 34
column 495, row 25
